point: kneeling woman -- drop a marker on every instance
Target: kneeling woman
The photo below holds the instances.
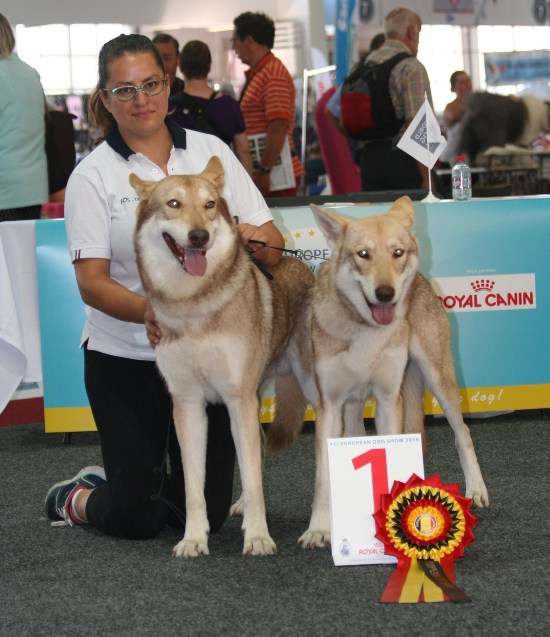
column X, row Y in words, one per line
column 138, row 491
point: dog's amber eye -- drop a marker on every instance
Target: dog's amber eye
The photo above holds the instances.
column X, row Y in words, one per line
column 173, row 203
column 210, row 204
column 398, row 252
column 363, row 254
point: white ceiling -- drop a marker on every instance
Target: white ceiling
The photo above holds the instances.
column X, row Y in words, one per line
column 174, row 14
column 164, row 13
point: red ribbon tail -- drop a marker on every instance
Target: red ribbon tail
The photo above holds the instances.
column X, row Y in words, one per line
column 396, row 583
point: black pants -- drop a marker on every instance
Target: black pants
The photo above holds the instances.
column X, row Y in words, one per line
column 21, row 214
column 386, row 167
column 133, row 414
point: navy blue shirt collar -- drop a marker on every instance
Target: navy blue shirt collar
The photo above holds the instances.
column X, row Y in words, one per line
column 115, row 141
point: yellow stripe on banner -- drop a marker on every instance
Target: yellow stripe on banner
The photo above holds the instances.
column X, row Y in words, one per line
column 498, row 398
column 267, row 411
column 68, row 419
column 472, row 399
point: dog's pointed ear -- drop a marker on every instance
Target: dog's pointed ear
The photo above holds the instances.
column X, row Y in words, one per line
column 331, row 225
column 403, row 211
column 214, row 172
column 143, row 188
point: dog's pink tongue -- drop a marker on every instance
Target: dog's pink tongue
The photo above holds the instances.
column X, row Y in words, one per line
column 383, row 314
column 195, row 262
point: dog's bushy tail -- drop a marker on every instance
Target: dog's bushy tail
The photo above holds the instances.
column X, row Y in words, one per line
column 290, row 407
column 413, row 401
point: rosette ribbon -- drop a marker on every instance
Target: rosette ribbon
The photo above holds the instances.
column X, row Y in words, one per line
column 426, row 525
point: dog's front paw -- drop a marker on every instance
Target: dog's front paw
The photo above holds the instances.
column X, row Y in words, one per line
column 190, row 548
column 259, row 545
column 479, row 495
column 314, row 538
column 237, row 509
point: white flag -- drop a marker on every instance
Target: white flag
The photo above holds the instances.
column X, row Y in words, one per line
column 423, row 139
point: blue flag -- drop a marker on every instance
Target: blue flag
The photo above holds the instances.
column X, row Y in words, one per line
column 343, row 39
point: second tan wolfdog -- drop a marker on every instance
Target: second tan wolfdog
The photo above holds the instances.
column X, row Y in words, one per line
column 375, row 322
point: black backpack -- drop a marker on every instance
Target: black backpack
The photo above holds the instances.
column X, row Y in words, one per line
column 203, row 123
column 367, row 111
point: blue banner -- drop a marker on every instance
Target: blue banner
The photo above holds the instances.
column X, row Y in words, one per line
column 61, row 322
column 343, row 38
column 517, row 67
column 487, row 261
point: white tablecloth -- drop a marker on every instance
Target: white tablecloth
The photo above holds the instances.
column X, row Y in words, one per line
column 20, row 353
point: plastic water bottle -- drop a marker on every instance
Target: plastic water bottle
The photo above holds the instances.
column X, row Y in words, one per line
column 461, row 179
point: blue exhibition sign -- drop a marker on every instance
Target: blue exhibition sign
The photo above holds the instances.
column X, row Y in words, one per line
column 519, row 67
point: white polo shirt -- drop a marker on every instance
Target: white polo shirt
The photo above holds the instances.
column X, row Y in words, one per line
column 100, row 216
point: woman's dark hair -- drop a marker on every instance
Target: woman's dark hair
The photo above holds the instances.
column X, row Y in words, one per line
column 133, row 43
column 7, row 39
column 166, row 38
column 259, row 26
column 454, row 78
column 195, row 60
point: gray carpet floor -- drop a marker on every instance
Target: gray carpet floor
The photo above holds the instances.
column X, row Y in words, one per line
column 75, row 581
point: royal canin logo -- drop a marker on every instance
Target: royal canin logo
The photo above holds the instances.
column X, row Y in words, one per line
column 482, row 284
column 476, row 294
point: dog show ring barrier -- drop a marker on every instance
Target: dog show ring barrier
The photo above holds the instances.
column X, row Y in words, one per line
column 486, row 259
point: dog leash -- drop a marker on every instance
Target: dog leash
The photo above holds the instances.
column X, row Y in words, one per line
column 296, row 253
column 160, row 472
column 263, row 244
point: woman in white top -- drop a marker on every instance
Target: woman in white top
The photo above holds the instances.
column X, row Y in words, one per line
column 136, row 495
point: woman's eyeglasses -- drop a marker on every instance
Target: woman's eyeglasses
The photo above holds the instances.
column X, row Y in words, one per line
column 128, row 93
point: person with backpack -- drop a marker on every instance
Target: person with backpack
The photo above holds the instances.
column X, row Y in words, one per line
column 333, row 109
column 199, row 107
column 397, row 86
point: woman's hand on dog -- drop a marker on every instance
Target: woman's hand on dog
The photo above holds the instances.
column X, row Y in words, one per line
column 152, row 328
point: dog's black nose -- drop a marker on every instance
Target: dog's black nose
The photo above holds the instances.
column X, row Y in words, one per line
column 198, row 237
column 385, row 293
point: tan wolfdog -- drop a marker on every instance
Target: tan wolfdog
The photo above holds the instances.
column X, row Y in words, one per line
column 226, row 329
column 378, row 330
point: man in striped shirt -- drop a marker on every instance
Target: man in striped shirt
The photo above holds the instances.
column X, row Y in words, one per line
column 267, row 98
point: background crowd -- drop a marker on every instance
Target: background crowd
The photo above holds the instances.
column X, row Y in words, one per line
column 37, row 149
